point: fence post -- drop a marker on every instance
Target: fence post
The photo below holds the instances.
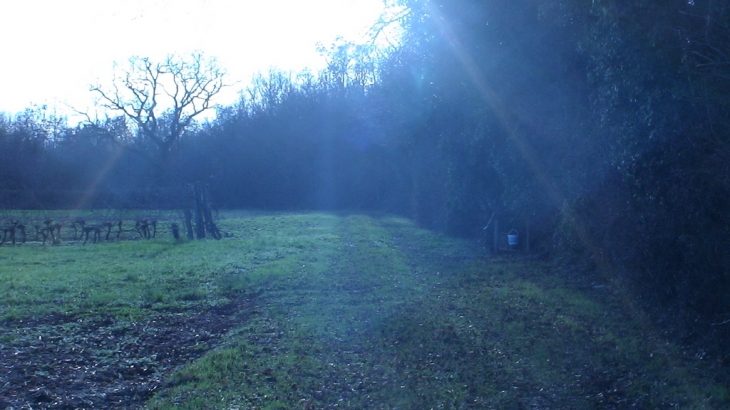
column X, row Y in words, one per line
column 496, row 236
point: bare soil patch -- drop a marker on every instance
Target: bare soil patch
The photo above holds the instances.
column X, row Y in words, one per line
column 62, row 362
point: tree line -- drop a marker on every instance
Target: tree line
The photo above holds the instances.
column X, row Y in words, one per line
column 603, row 124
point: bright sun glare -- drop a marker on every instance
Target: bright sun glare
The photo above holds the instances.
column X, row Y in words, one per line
column 55, row 49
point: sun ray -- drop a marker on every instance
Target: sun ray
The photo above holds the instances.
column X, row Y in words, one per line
column 108, row 166
column 506, row 119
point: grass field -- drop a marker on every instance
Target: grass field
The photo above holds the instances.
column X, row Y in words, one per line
column 312, row 311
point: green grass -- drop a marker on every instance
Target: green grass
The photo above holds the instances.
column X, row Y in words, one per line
column 113, row 278
column 369, row 312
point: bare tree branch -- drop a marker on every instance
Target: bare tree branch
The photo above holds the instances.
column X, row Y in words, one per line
column 163, row 99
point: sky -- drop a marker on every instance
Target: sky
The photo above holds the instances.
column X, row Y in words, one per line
column 53, row 50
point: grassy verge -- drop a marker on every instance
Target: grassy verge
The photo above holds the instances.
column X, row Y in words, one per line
column 368, row 312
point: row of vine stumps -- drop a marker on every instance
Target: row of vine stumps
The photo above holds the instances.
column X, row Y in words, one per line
column 56, row 228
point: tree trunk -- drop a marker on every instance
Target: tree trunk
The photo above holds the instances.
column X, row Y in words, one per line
column 208, row 215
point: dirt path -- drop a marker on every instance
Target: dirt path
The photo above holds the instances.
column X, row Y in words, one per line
column 60, row 362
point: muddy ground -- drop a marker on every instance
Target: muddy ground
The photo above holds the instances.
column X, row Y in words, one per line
column 64, row 362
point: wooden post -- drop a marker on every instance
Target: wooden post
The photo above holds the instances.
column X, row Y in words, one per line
column 496, row 236
column 189, row 223
column 199, row 220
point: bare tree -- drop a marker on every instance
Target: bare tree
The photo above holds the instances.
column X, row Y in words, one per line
column 163, row 99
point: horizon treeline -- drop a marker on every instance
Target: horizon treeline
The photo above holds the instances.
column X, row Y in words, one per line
column 604, row 125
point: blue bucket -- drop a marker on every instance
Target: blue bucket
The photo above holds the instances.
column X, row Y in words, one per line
column 513, row 237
